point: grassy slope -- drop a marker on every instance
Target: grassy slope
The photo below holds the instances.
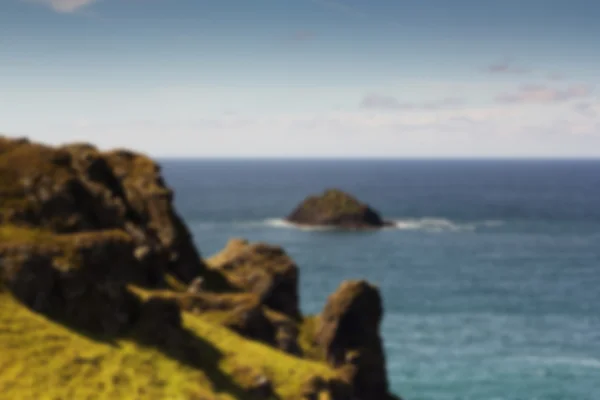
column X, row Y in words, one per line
column 41, row 359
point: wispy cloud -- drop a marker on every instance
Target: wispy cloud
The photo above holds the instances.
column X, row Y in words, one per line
column 64, row 6
column 589, row 109
column 506, row 67
column 545, row 94
column 492, row 130
column 556, row 76
column 380, row 101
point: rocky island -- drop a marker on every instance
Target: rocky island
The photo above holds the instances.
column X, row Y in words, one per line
column 104, row 295
column 335, row 208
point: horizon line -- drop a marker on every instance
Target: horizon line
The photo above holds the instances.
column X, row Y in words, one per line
column 371, row 158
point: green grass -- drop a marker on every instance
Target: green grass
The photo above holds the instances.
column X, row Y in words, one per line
column 306, row 338
column 23, row 235
column 42, row 359
column 11, row 234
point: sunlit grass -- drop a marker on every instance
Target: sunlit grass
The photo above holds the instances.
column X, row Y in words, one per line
column 41, row 359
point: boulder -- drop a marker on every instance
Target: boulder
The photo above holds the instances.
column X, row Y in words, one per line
column 336, row 208
column 263, row 269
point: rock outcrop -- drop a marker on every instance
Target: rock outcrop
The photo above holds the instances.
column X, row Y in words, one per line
column 262, row 269
column 78, row 278
column 77, row 189
column 267, row 272
column 335, row 208
column 91, row 240
column 348, row 331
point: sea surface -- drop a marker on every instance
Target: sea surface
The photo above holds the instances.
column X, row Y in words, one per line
column 490, row 280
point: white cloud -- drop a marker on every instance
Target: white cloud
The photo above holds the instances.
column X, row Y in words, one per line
column 506, row 67
column 377, row 101
column 589, row 108
column 545, row 94
column 500, row 130
column 64, row 6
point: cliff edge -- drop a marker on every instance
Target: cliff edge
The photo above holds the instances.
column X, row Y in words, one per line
column 104, row 295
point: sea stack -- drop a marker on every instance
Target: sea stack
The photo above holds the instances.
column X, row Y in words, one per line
column 336, row 208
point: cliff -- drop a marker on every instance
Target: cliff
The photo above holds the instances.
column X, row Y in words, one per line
column 103, row 294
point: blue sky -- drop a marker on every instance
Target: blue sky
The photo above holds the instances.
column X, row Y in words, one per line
column 305, row 78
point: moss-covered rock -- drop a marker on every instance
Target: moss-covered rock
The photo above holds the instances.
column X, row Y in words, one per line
column 263, row 269
column 76, row 188
column 336, row 208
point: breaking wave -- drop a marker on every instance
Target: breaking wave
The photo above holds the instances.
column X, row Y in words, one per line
column 554, row 361
column 428, row 224
column 416, row 224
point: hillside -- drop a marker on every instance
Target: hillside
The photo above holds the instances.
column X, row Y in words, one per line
column 103, row 295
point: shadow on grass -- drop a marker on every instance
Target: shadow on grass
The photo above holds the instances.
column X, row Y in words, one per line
column 105, row 312
column 158, row 325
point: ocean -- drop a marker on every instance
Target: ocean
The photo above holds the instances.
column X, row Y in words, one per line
column 490, row 279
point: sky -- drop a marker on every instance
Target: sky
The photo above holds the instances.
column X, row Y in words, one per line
column 305, row 78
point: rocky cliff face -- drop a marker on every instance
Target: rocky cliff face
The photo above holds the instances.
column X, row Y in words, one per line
column 77, row 189
column 91, row 240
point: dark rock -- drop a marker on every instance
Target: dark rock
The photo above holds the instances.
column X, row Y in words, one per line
column 336, row 208
column 262, row 269
column 349, row 333
column 157, row 320
column 76, row 188
column 262, row 388
column 249, row 320
column 85, row 299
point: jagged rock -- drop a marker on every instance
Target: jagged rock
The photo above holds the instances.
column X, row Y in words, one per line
column 244, row 314
column 250, row 321
column 79, row 297
column 77, row 188
column 337, row 209
column 262, row 269
column 348, row 331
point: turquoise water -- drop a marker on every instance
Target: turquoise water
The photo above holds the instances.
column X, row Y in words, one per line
column 491, row 279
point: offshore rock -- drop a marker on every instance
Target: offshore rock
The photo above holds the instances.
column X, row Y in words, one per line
column 335, row 208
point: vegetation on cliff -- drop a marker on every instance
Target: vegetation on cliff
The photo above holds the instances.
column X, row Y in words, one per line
column 103, row 295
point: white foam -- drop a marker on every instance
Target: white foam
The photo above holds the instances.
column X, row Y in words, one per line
column 552, row 361
column 282, row 223
column 431, row 224
column 418, row 224
column 442, row 224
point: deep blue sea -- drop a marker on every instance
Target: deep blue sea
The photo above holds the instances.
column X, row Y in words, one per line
column 491, row 280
